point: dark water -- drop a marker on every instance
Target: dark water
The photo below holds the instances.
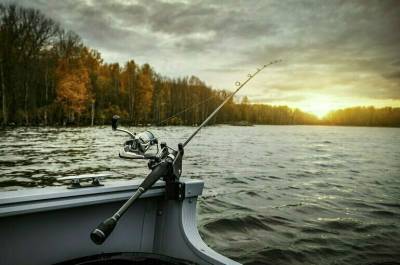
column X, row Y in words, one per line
column 273, row 195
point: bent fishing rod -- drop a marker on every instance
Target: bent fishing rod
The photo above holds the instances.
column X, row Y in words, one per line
column 165, row 164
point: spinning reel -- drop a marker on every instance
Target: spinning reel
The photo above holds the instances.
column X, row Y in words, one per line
column 139, row 144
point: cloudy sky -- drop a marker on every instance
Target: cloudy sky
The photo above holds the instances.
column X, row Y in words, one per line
column 335, row 53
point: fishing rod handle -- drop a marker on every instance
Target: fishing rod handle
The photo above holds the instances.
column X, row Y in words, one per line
column 105, row 228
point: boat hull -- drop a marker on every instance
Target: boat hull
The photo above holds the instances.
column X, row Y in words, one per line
column 52, row 226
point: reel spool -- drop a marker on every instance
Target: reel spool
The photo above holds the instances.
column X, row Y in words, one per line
column 139, row 144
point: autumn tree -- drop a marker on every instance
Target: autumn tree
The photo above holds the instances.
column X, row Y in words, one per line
column 129, row 85
column 72, row 88
column 92, row 61
column 25, row 34
column 144, row 94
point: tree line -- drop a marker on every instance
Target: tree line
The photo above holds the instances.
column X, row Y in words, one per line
column 49, row 77
column 364, row 116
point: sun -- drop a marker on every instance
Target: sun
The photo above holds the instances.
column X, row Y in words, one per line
column 319, row 105
column 320, row 109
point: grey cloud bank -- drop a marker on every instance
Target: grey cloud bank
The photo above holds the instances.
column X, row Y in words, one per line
column 344, row 49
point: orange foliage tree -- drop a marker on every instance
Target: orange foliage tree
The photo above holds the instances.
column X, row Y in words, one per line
column 144, row 94
column 73, row 88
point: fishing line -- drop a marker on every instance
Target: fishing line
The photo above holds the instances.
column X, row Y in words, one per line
column 188, row 108
column 237, row 83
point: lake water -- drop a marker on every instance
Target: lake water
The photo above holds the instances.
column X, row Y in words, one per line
column 273, row 194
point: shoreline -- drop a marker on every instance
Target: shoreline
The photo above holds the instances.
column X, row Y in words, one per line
column 2, row 127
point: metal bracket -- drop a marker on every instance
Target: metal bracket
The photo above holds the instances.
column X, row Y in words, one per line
column 76, row 180
column 177, row 163
column 175, row 190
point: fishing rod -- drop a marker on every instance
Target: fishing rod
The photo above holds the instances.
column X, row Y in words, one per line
column 165, row 164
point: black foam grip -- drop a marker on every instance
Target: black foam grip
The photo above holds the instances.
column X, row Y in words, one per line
column 103, row 230
column 160, row 171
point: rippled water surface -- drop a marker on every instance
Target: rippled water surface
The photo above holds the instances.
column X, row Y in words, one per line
column 273, row 194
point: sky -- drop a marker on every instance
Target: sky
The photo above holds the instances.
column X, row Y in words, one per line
column 335, row 54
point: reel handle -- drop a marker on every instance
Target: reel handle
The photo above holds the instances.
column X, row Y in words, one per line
column 114, row 122
column 114, row 126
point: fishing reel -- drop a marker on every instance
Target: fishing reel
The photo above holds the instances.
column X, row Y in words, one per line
column 139, row 145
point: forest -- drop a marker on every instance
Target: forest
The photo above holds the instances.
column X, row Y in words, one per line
column 48, row 76
column 364, row 116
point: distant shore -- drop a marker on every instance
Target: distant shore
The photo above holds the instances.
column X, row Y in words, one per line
column 2, row 127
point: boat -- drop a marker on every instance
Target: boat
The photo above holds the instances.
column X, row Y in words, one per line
column 156, row 224
column 52, row 225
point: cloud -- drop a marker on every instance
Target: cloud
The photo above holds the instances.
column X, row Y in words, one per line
column 339, row 48
column 393, row 75
column 287, row 98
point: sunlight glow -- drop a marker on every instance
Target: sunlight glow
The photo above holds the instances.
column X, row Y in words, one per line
column 320, row 109
column 319, row 105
